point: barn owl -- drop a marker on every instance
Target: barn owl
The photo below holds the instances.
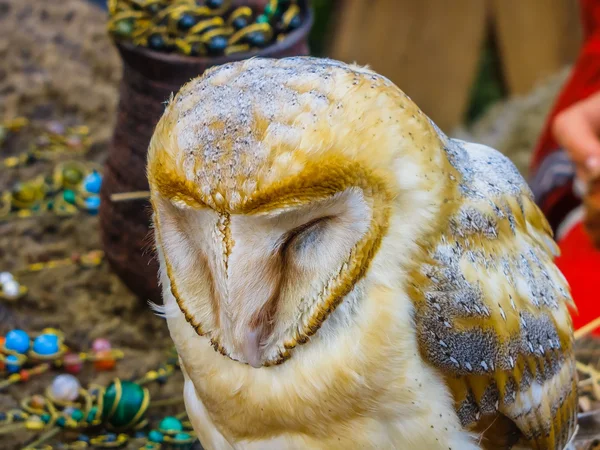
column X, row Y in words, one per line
column 339, row 274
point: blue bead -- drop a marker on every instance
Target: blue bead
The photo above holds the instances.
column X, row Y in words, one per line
column 17, row 340
column 182, row 437
column 139, row 435
column 155, row 436
column 12, row 365
column 83, row 438
column 170, row 424
column 92, row 203
column 46, row 344
column 93, row 182
column 111, row 437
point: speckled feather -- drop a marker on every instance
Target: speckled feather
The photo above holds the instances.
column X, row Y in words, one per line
column 451, row 290
column 491, row 309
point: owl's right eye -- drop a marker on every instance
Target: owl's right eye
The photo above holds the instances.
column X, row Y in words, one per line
column 304, row 235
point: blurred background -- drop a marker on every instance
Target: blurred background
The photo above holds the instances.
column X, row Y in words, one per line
column 457, row 60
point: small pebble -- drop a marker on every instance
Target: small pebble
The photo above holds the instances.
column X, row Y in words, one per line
column 11, row 289
column 65, row 387
column 17, row 340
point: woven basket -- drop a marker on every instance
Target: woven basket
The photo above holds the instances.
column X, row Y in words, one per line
column 148, row 80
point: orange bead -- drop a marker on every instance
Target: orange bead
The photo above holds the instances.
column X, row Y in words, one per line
column 105, row 360
column 24, row 375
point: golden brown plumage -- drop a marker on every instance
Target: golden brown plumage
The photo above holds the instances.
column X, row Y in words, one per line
column 390, row 287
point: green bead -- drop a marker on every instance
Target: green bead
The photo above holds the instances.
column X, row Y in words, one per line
column 170, row 424
column 77, row 415
column 131, row 405
column 262, row 19
column 69, row 196
column 92, row 414
column 72, row 175
column 124, row 27
column 45, row 418
column 61, row 421
column 155, row 436
column 268, row 9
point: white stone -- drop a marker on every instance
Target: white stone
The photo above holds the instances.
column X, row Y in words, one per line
column 65, row 388
column 5, row 277
column 11, row 289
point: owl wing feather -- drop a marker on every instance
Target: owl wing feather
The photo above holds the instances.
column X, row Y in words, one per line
column 491, row 308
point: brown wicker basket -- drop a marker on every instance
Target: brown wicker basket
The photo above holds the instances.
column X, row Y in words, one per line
column 148, row 80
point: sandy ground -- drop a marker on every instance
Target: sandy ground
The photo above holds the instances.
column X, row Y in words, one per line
column 58, row 63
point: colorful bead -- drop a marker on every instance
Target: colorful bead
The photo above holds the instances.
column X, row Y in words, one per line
column 101, row 344
column 5, row 277
column 131, row 403
column 214, row 4
column 77, row 415
column 72, row 363
column 12, row 364
column 105, row 361
column 65, row 388
column 156, row 436
column 93, row 182
column 182, row 437
column 69, row 196
column 262, row 19
column 83, row 438
column 37, row 402
column 45, row 417
column 46, row 344
column 170, row 424
column 17, row 340
column 156, row 42
column 72, row 176
column 186, row 21
column 11, row 289
column 92, row 204
column 217, row 45
column 92, row 414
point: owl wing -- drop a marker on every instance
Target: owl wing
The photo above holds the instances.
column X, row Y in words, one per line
column 491, row 308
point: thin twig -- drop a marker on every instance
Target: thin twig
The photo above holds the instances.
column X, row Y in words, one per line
column 127, row 196
column 587, row 328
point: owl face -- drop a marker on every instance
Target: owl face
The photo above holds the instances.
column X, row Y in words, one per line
column 273, row 185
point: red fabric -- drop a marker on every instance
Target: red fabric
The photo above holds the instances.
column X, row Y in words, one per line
column 584, row 80
column 580, row 264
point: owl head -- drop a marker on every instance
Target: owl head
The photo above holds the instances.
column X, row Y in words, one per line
column 281, row 190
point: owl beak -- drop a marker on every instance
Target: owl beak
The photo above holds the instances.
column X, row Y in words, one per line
column 251, row 349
